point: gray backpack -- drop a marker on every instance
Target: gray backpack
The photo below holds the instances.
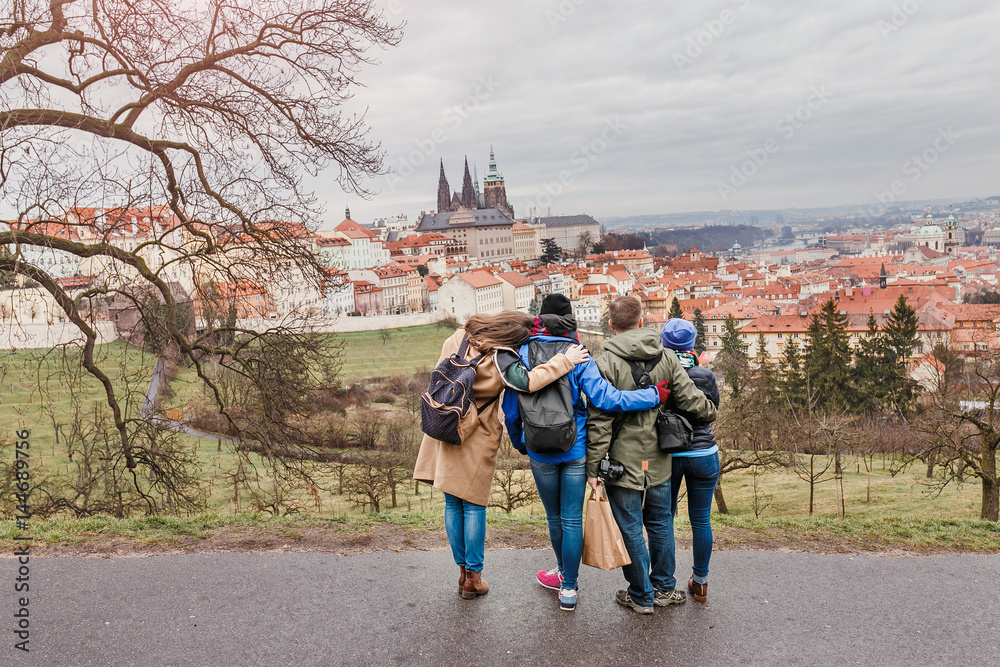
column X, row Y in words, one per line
column 547, row 415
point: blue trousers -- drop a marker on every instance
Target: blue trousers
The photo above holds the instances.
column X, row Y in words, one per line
column 465, row 524
column 562, row 487
column 653, row 567
column 700, row 474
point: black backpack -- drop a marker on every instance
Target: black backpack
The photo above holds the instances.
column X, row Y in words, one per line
column 448, row 409
column 547, row 416
column 674, row 433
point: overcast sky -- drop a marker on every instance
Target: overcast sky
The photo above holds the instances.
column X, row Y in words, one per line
column 633, row 107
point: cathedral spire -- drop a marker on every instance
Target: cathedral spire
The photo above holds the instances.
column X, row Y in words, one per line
column 475, row 186
column 468, row 193
column 444, row 191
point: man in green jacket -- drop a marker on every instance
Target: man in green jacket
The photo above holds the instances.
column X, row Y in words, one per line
column 641, row 497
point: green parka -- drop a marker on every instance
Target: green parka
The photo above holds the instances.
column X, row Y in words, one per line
column 635, row 443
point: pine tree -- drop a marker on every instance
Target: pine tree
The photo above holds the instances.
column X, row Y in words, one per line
column 900, row 338
column 675, row 309
column 901, row 332
column 732, row 359
column 828, row 357
column 699, row 325
column 794, row 389
column 551, row 252
column 869, row 369
column 764, row 376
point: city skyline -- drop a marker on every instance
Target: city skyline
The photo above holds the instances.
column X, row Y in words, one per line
column 641, row 108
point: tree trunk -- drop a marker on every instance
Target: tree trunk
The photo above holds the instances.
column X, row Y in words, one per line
column 720, row 500
column 392, row 485
column 812, row 482
column 931, row 459
column 991, row 488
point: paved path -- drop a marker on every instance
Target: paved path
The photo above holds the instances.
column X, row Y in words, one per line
column 403, row 609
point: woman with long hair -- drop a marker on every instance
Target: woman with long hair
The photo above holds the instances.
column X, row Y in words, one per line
column 464, row 473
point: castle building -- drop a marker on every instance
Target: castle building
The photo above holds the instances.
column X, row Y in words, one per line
column 494, row 195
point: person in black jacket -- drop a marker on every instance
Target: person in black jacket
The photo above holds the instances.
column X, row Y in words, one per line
column 699, row 466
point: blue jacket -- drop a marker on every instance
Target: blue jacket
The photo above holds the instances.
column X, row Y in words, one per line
column 599, row 392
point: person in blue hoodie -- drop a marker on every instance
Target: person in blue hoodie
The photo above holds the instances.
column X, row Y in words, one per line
column 698, row 467
column 561, row 477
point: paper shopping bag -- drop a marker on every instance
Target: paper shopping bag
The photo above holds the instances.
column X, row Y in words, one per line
column 603, row 546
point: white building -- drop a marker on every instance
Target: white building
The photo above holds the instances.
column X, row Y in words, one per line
column 471, row 293
column 518, row 291
column 338, row 293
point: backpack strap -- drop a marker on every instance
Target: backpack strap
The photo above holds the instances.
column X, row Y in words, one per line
column 640, row 372
column 488, row 403
column 463, row 347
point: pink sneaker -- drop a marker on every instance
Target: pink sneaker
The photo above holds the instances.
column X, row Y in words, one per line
column 551, row 579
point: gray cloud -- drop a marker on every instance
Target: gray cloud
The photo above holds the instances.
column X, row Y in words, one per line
column 560, row 82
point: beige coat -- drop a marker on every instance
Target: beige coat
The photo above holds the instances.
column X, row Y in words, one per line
column 467, row 470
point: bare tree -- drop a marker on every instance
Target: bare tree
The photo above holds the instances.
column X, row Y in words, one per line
column 163, row 142
column 964, row 435
column 512, row 485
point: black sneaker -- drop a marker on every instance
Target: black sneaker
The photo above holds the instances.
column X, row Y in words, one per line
column 667, row 598
column 625, row 600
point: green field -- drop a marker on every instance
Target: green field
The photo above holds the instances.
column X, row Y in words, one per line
column 372, row 354
column 36, row 393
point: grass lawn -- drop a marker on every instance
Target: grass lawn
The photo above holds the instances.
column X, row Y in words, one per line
column 39, row 387
column 371, row 354
column 367, row 354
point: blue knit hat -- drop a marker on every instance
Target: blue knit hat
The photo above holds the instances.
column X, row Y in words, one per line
column 679, row 334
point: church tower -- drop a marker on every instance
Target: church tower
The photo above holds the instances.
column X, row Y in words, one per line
column 952, row 241
column 468, row 193
column 444, row 192
column 494, row 192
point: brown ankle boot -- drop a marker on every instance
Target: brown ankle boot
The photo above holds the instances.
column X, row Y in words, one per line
column 461, row 578
column 698, row 591
column 474, row 585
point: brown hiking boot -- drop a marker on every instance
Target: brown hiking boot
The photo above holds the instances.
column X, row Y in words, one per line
column 474, row 585
column 698, row 591
column 461, row 578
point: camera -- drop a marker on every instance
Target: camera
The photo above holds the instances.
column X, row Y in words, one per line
column 609, row 469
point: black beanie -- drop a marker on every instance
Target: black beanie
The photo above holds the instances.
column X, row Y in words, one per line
column 556, row 304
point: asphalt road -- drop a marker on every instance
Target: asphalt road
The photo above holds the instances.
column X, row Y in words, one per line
column 403, row 609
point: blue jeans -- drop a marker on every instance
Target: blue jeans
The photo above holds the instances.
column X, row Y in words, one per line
column 465, row 524
column 562, row 487
column 700, row 474
column 651, row 568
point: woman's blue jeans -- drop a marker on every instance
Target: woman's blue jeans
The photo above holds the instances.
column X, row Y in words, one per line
column 561, row 487
column 700, row 474
column 465, row 524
